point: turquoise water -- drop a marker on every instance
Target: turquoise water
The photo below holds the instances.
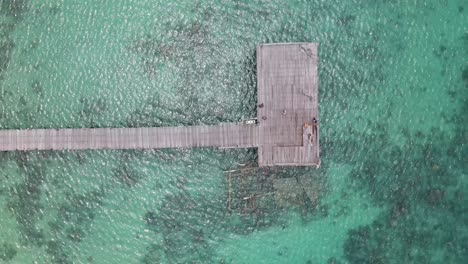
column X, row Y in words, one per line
column 394, row 118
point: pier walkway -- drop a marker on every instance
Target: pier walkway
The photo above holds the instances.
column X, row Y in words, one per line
column 227, row 136
column 287, row 133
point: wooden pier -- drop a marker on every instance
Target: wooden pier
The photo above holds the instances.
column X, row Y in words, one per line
column 287, row 132
column 287, row 100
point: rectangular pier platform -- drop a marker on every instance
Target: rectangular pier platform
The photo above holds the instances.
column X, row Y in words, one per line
column 287, row 104
column 287, row 132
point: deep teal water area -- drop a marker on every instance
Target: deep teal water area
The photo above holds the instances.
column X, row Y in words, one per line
column 393, row 186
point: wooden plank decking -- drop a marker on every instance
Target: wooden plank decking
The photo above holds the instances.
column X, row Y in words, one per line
column 285, row 135
column 287, row 100
column 228, row 136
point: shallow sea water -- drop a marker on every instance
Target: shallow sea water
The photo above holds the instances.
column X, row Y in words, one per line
column 393, row 187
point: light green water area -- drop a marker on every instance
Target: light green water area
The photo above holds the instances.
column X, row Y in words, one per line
column 393, row 185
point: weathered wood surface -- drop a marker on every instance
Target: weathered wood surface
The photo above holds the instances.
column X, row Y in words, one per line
column 287, row 103
column 287, row 99
column 229, row 135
